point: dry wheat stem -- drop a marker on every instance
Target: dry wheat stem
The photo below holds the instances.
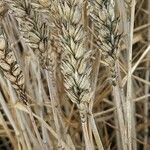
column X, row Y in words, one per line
column 91, row 116
column 4, row 124
column 45, row 124
column 23, row 136
column 129, row 102
column 54, row 101
column 147, row 88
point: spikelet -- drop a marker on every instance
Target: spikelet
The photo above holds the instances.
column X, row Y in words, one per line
column 76, row 65
column 103, row 15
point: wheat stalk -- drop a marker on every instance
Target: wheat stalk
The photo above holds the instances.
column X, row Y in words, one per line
column 129, row 102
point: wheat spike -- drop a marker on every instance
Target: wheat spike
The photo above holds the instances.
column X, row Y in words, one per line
column 11, row 69
column 34, row 29
column 8, row 62
column 75, row 57
column 105, row 21
column 76, row 65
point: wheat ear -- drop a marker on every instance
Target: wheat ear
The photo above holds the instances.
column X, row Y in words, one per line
column 75, row 57
column 8, row 63
column 11, row 69
column 33, row 28
column 105, row 21
column 76, row 66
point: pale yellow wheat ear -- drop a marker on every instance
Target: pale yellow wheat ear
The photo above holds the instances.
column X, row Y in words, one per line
column 76, row 66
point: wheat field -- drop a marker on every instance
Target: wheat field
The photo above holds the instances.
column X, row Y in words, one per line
column 74, row 74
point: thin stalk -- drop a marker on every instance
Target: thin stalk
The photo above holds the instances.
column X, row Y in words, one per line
column 40, row 98
column 147, row 87
column 46, row 125
column 129, row 102
column 120, row 116
column 54, row 107
column 86, row 136
column 8, row 114
column 35, row 127
column 136, row 64
column 91, row 117
column 119, row 101
column 7, row 130
column 96, row 134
